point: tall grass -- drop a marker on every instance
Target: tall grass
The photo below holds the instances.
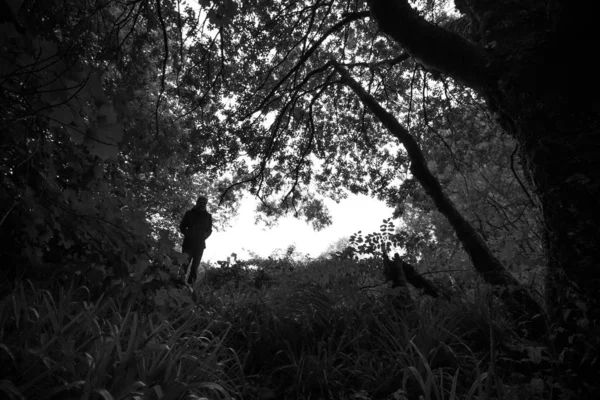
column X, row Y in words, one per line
column 310, row 336
column 57, row 346
column 305, row 335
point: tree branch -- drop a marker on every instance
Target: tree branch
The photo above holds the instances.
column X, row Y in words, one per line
column 349, row 18
column 437, row 48
column 517, row 299
column 390, row 62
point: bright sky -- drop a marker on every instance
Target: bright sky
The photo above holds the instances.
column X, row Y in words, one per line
column 356, row 213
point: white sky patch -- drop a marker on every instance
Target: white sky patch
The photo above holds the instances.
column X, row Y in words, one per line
column 353, row 214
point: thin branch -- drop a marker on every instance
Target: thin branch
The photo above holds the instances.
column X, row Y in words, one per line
column 390, row 62
column 310, row 139
column 181, row 44
column 164, row 65
column 210, row 86
column 512, row 167
column 440, row 137
column 349, row 18
column 268, row 152
column 248, row 180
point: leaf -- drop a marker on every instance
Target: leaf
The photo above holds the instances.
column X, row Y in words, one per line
column 107, row 115
column 47, row 49
column 581, row 305
column 141, row 266
column 77, row 130
column 112, row 133
column 535, row 353
column 7, row 350
column 537, row 385
column 103, row 141
column 94, row 86
column 59, row 389
column 104, row 393
column 50, row 97
column 98, row 171
column 161, row 298
column 73, row 87
column 10, row 389
column 180, row 257
column 14, row 5
column 158, row 390
column 60, row 116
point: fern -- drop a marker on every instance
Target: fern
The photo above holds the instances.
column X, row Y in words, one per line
column 305, row 301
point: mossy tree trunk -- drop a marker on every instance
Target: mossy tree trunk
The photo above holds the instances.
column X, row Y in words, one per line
column 517, row 299
column 534, row 63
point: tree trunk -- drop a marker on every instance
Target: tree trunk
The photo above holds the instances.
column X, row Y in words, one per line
column 557, row 125
column 559, row 136
column 535, row 65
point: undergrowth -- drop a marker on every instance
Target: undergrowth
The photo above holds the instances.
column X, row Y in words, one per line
column 323, row 329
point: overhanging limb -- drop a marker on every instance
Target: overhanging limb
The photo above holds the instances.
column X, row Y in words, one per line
column 512, row 293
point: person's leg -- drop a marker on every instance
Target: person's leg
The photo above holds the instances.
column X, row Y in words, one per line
column 194, row 268
column 186, row 268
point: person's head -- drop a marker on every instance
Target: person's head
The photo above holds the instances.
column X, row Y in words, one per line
column 201, row 202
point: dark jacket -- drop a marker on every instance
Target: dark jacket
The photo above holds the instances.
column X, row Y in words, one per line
column 196, row 226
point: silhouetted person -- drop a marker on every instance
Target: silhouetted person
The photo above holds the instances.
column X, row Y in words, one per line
column 196, row 226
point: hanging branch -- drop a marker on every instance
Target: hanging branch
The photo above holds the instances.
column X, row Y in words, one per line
column 311, row 137
column 512, row 168
column 514, row 295
column 275, row 129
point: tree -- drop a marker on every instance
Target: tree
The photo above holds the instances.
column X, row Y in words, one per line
column 96, row 149
column 300, row 90
column 336, row 246
column 555, row 128
column 292, row 75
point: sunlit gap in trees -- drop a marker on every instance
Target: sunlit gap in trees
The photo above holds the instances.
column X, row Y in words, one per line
column 400, row 108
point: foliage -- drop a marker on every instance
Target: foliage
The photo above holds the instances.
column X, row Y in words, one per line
column 57, row 346
column 60, row 127
column 387, row 240
column 95, row 163
column 306, row 335
column 324, row 328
